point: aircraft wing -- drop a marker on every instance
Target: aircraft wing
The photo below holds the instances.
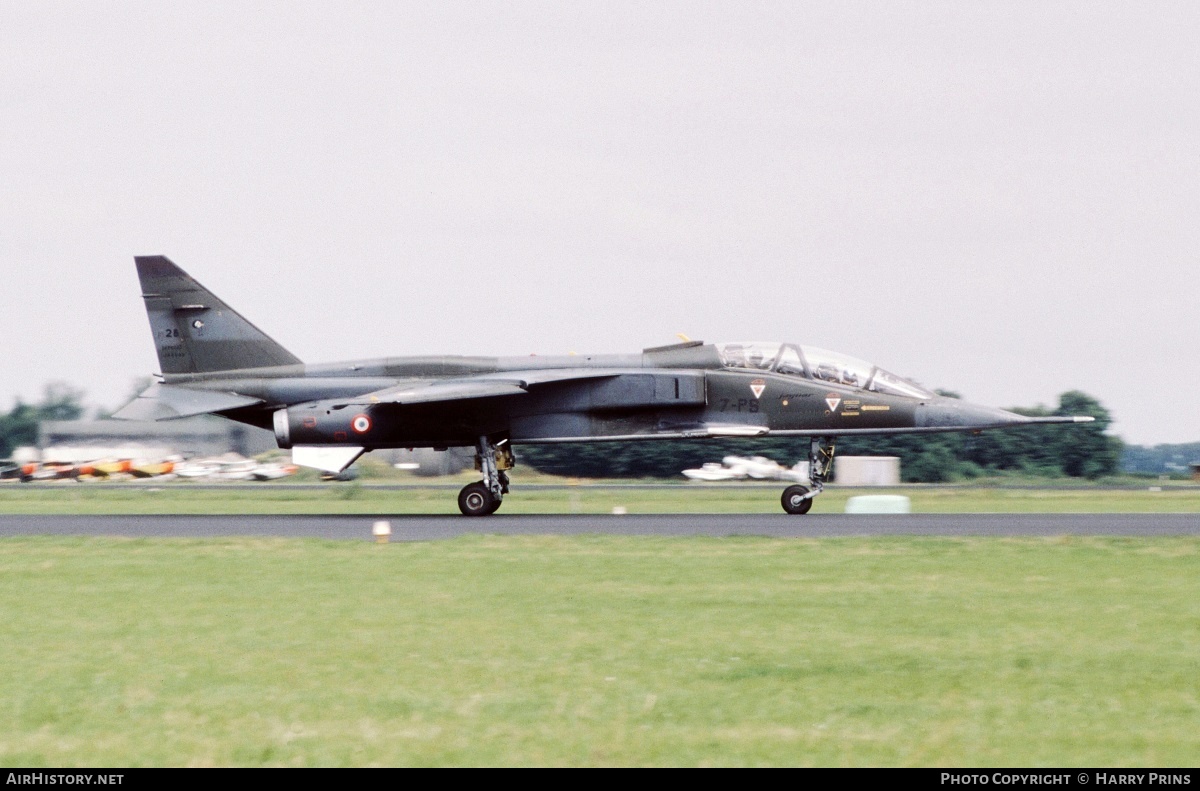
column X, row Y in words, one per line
column 464, row 388
column 440, row 390
column 169, row 402
column 551, row 375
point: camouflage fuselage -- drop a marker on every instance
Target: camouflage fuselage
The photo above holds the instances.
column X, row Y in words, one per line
column 675, row 392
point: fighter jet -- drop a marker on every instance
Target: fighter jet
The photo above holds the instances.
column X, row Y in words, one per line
column 215, row 361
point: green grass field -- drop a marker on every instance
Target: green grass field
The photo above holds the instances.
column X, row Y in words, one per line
column 101, row 498
column 601, row 650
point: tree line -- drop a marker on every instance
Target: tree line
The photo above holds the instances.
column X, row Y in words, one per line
column 19, row 426
column 1073, row 450
column 1160, row 459
column 1076, row 450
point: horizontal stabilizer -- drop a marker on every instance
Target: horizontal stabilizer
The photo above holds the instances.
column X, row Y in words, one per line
column 168, row 402
column 325, row 457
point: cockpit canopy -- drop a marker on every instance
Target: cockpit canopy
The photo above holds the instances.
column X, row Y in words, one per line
column 809, row 362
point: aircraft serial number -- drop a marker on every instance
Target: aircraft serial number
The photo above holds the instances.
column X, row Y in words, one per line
column 739, row 405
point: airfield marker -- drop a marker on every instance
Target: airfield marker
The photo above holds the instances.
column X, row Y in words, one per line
column 382, row 530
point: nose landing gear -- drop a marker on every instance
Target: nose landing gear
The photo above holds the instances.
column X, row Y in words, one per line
column 484, row 497
column 798, row 499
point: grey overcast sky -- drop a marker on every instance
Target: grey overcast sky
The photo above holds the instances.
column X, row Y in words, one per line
column 1002, row 199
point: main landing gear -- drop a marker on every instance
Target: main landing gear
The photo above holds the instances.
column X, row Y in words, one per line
column 798, row 499
column 494, row 461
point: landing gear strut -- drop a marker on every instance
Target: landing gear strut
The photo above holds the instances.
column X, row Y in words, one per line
column 484, row 497
column 798, row 499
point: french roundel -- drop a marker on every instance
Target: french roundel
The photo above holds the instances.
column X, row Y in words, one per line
column 361, row 424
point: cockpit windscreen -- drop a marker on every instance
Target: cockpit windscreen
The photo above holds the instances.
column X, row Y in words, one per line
column 810, row 362
column 755, row 354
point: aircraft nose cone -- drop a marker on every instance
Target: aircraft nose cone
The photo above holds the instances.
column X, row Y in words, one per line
column 953, row 413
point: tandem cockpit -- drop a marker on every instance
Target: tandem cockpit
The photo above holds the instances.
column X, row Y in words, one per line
column 809, row 362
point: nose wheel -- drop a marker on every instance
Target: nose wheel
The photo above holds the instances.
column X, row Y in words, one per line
column 484, row 497
column 796, row 500
column 799, row 499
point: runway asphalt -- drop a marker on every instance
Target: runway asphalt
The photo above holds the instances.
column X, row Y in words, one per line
column 425, row 528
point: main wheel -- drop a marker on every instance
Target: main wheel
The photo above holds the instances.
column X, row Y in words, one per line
column 475, row 499
column 794, row 501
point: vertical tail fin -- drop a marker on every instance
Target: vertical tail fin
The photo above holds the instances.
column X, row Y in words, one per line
column 194, row 331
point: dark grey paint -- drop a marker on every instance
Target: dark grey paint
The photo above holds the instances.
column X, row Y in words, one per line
column 214, row 360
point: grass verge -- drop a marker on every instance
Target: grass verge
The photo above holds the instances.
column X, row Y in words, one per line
column 71, row 498
column 601, row 650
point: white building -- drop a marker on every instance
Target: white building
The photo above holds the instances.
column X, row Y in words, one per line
column 867, row 470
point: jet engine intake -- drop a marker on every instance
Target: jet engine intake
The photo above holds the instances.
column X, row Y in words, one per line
column 283, row 434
